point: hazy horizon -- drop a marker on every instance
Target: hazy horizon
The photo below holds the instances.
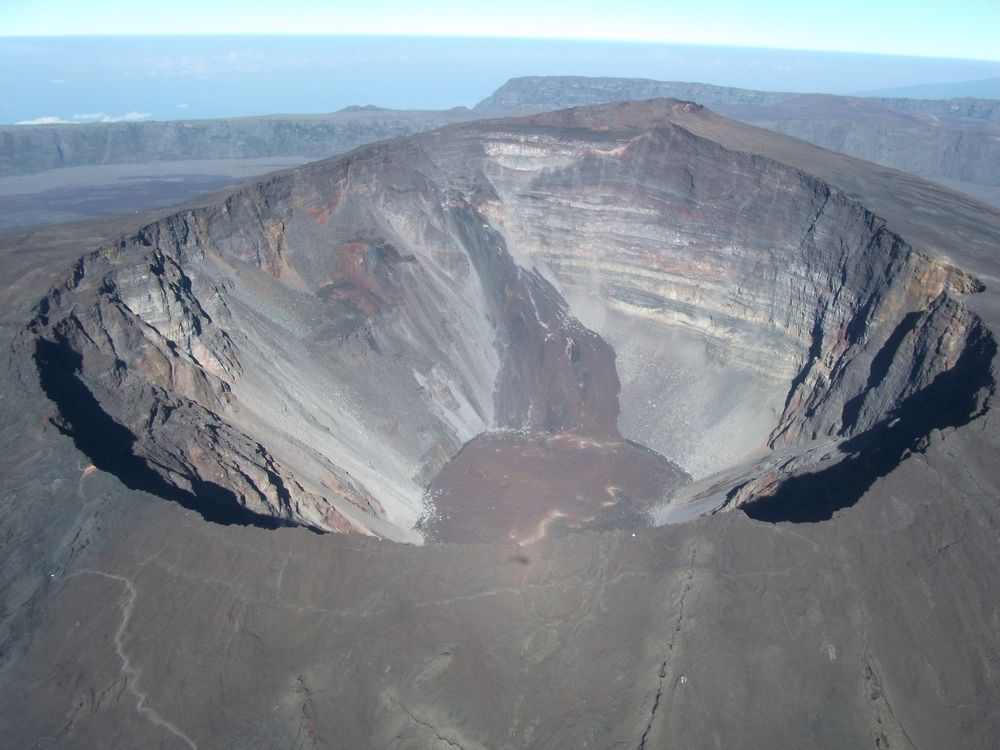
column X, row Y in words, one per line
column 112, row 78
column 965, row 29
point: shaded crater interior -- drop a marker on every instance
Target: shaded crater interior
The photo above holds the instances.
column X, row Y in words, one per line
column 109, row 446
column 954, row 398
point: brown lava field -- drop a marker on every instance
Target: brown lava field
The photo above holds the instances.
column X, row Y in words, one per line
column 512, row 487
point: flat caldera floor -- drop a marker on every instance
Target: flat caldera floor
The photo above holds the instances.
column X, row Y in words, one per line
column 511, row 487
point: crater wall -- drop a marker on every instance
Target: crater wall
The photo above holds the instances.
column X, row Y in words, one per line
column 787, row 296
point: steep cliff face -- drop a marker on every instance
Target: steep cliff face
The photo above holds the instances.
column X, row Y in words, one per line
column 315, row 348
column 379, row 355
column 801, row 299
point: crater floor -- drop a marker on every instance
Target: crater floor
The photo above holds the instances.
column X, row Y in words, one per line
column 511, row 487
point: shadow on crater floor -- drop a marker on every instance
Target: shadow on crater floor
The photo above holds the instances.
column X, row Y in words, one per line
column 953, row 398
column 108, row 445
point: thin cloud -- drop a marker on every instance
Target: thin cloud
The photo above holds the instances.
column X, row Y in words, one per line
column 87, row 118
column 50, row 120
column 104, row 117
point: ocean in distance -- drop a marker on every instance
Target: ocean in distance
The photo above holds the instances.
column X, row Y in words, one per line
column 86, row 79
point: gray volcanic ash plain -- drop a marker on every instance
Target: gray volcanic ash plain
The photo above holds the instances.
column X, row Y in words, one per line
column 60, row 173
column 621, row 426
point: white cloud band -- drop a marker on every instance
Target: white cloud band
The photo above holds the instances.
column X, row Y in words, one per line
column 87, row 117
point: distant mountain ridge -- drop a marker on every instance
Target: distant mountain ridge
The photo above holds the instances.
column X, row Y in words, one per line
column 956, row 140
column 988, row 88
column 33, row 148
column 541, row 93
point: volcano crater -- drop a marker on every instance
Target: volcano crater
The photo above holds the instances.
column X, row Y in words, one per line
column 504, row 330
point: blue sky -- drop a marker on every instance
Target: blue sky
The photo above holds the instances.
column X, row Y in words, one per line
column 967, row 29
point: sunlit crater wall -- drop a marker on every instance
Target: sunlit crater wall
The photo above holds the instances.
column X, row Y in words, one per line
column 745, row 299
